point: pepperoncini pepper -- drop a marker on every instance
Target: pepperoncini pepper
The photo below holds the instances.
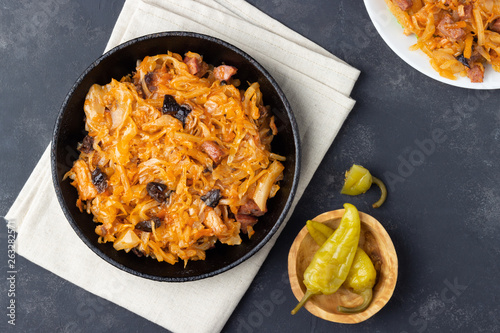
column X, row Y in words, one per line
column 362, row 275
column 331, row 263
column 361, row 279
column 358, row 180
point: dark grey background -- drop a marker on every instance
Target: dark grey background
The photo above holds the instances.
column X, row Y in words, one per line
column 435, row 145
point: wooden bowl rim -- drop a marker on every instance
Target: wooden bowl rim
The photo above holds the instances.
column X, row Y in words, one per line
column 387, row 285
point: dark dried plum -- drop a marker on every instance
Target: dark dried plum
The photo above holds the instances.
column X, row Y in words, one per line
column 87, row 144
column 211, row 198
column 147, row 226
column 183, row 113
column 158, row 191
column 463, row 60
column 169, row 105
column 99, row 180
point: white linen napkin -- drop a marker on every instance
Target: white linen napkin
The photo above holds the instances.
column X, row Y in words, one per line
column 317, row 85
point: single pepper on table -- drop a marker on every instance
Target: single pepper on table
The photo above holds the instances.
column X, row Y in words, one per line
column 358, row 180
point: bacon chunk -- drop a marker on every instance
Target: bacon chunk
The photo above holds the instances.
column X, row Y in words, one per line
column 495, row 25
column 224, row 72
column 446, row 29
column 476, row 73
column 214, row 222
column 250, row 208
column 246, row 221
column 196, row 65
column 404, row 4
column 225, row 235
column 213, row 150
column 465, row 12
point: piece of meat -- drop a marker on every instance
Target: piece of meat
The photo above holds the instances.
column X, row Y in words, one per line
column 151, row 81
column 214, row 222
column 475, row 57
column 212, row 149
column 250, row 208
column 475, row 73
column 495, row 25
column 193, row 63
column 246, row 221
column 224, row 72
column 465, row 12
column 404, row 4
column 196, row 65
column 444, row 27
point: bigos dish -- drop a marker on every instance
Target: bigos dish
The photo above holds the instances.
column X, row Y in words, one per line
column 177, row 157
column 459, row 36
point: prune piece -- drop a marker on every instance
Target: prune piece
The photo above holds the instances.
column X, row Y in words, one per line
column 169, row 105
column 158, row 191
column 183, row 113
column 463, row 60
column 87, row 144
column 223, row 83
column 211, row 198
column 147, row 226
column 99, row 180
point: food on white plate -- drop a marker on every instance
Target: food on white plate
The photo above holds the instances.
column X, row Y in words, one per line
column 459, row 36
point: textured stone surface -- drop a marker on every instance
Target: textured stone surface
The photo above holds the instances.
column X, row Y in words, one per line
column 442, row 213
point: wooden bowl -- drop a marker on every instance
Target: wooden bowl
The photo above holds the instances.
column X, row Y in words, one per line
column 376, row 243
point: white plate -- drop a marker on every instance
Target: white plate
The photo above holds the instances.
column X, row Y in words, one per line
column 392, row 33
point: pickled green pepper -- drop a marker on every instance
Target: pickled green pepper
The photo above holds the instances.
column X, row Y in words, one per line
column 361, row 279
column 331, row 263
column 358, row 180
column 362, row 275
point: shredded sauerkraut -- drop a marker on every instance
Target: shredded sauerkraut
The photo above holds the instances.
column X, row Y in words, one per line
column 459, row 36
column 176, row 158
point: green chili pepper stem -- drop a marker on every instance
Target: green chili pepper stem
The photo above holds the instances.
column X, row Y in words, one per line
column 303, row 301
column 367, row 298
column 383, row 195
